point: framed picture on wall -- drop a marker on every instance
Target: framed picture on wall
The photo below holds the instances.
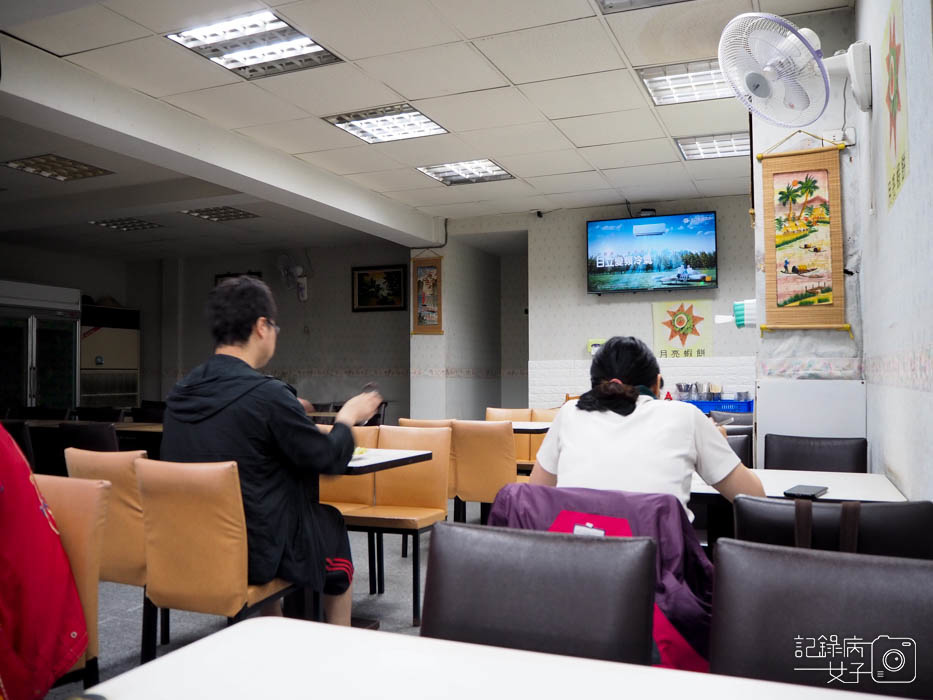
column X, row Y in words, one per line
column 379, row 288
column 427, row 307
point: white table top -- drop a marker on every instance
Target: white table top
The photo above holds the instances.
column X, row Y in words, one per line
column 283, row 658
column 377, row 459
column 842, row 486
column 530, row 426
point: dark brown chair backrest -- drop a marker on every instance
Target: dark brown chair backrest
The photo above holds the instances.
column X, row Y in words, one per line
column 742, row 446
column 819, row 454
column 378, row 418
column 541, row 591
column 99, row 437
column 772, row 602
column 97, row 413
column 891, row 529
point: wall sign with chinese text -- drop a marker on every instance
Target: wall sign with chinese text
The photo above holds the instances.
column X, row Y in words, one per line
column 895, row 101
column 683, row 329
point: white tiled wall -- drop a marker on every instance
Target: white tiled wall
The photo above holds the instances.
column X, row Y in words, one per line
column 550, row 380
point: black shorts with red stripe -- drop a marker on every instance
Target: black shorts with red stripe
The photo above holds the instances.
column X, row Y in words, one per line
column 338, row 574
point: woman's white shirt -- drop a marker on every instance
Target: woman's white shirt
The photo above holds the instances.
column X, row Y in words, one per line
column 654, row 449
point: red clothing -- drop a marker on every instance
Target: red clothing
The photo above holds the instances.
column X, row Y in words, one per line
column 42, row 628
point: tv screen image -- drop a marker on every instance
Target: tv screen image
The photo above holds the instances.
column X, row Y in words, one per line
column 677, row 251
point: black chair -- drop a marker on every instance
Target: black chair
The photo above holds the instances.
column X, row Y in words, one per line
column 99, row 437
column 97, row 413
column 891, row 529
column 742, row 446
column 19, row 431
column 737, row 418
column 540, row 591
column 773, row 606
column 48, row 449
column 819, row 454
column 148, row 414
column 379, row 416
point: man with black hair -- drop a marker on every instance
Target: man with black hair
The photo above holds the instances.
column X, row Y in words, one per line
column 225, row 409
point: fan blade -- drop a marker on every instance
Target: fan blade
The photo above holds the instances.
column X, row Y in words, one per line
column 795, row 97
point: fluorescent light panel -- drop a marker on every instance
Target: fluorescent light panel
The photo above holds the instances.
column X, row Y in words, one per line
column 125, row 224
column 610, row 6
column 392, row 123
column 466, row 172
column 220, row 214
column 685, row 82
column 718, row 146
column 255, row 46
column 56, row 167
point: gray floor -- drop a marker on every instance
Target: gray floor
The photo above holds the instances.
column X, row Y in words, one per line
column 120, row 609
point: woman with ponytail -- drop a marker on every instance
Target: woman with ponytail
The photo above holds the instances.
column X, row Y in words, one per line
column 618, row 436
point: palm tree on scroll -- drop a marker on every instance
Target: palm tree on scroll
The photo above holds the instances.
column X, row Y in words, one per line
column 808, row 187
column 789, row 196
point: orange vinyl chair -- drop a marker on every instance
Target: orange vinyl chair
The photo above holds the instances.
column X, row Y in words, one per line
column 123, row 555
column 196, row 553
column 79, row 507
column 523, row 460
column 485, row 452
column 408, row 499
column 452, row 462
column 540, row 415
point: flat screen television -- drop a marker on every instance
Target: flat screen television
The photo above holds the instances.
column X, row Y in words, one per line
column 647, row 253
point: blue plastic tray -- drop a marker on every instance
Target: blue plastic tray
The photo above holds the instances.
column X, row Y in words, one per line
column 730, row 406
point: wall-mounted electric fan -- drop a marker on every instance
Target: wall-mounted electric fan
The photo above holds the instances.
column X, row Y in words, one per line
column 778, row 71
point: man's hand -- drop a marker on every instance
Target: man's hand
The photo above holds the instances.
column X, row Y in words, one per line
column 360, row 408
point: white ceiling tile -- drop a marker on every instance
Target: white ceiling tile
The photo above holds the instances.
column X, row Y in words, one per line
column 612, row 127
column 683, row 31
column 361, row 28
column 524, row 138
column 434, row 71
column 660, row 174
column 716, row 168
column 569, row 182
column 593, row 198
column 520, row 204
column 301, row 136
column 155, row 66
column 330, row 89
column 430, row 150
column 457, row 211
column 553, row 51
column 83, row 29
column 472, row 192
column 173, row 15
column 346, row 161
column 480, row 110
column 660, row 193
column 724, row 186
column 790, row 7
column 705, row 118
column 483, row 17
column 236, row 106
column 623, row 155
column 610, row 91
column 395, row 180
column 549, row 163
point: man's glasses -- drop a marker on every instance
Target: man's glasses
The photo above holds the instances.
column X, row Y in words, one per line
column 273, row 325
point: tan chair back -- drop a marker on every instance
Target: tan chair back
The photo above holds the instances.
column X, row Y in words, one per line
column 522, row 441
column 423, row 484
column 195, row 536
column 123, row 554
column 485, row 453
column 79, row 507
column 542, row 415
column 356, row 488
column 452, row 461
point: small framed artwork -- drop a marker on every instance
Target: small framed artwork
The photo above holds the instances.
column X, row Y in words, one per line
column 427, row 308
column 379, row 288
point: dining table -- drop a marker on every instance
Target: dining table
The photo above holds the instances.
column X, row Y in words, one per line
column 530, row 427
column 269, row 657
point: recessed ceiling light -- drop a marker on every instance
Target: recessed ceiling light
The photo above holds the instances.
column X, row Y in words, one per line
column 220, row 214
column 465, row 172
column 56, row 168
column 610, row 6
column 685, row 82
column 718, row 146
column 255, row 46
column 125, row 224
column 392, row 123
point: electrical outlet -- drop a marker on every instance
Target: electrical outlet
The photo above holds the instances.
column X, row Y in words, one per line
column 839, row 136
